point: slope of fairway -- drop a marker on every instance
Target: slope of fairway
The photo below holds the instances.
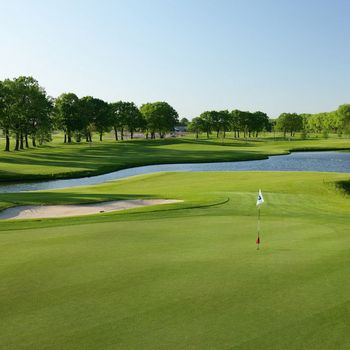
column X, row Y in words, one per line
column 58, row 160
column 184, row 275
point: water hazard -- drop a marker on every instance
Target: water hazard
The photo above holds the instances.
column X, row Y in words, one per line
column 301, row 161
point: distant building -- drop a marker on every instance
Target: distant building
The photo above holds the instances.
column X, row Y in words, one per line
column 180, row 128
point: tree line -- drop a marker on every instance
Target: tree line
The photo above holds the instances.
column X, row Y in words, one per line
column 337, row 122
column 239, row 122
column 27, row 112
column 248, row 124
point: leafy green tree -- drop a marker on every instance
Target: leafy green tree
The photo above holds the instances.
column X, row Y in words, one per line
column 160, row 117
column 25, row 111
column 87, row 112
column 184, row 122
column 126, row 115
column 334, row 122
column 220, row 121
column 117, row 118
column 134, row 119
column 102, row 116
column 215, row 120
column 5, row 112
column 323, row 122
column 260, row 122
column 66, row 113
column 20, row 103
column 289, row 122
column 270, row 125
column 225, row 121
column 344, row 117
column 206, row 122
column 40, row 124
column 315, row 123
column 196, row 126
column 28, row 108
column 246, row 123
column 306, row 124
column 236, row 122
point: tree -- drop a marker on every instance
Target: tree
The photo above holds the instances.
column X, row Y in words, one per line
column 334, row 122
column 160, row 117
column 28, row 109
column 66, row 113
column 344, row 115
column 236, row 122
column 270, row 125
column 196, row 126
column 246, row 123
column 220, row 121
column 102, row 116
column 206, row 122
column 118, row 119
column 184, row 122
column 215, row 120
column 133, row 118
column 39, row 121
column 260, row 122
column 324, row 122
column 289, row 122
column 225, row 121
column 87, row 112
column 25, row 110
column 126, row 115
column 20, row 99
column 5, row 115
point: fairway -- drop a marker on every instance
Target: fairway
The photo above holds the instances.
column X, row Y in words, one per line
column 184, row 275
column 58, row 160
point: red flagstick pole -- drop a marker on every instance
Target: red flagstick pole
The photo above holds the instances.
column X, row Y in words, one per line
column 258, row 239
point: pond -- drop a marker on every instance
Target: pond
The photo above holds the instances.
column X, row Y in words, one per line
column 329, row 161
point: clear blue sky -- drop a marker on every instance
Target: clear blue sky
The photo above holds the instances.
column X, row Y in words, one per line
column 275, row 56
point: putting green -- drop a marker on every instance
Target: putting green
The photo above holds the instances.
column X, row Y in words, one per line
column 183, row 275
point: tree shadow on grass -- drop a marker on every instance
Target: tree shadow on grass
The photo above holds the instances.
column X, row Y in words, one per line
column 87, row 161
column 223, row 142
column 99, row 158
column 343, row 186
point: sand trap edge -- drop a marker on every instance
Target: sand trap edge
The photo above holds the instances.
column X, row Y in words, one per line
column 69, row 210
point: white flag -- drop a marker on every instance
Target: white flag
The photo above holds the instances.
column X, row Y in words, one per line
column 260, row 199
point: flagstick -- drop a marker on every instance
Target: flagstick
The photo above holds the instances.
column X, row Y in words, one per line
column 258, row 228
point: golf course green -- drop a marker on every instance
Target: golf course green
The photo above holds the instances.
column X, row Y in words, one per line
column 175, row 175
column 184, row 275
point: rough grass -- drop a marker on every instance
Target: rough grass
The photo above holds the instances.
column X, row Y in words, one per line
column 57, row 160
column 182, row 276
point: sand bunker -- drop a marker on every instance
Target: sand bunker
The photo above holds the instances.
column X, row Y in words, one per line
column 55, row 211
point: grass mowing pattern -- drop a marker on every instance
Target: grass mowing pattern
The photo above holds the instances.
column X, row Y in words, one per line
column 184, row 278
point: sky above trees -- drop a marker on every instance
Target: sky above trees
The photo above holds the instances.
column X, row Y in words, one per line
column 274, row 56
